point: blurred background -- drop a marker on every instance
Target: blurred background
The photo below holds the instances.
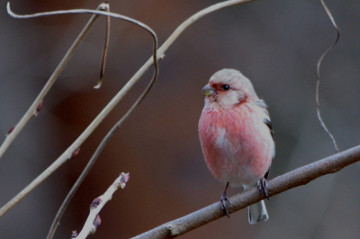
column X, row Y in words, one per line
column 275, row 43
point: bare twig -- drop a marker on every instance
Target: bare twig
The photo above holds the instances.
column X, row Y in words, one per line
column 65, row 203
column 101, row 7
column 76, row 144
column 111, row 132
column 94, row 157
column 66, row 155
column 10, row 137
column 33, row 108
column 106, row 47
column 93, row 220
column 318, row 73
column 98, row 151
column 292, row 179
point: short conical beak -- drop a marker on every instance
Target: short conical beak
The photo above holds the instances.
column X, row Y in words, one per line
column 208, row 90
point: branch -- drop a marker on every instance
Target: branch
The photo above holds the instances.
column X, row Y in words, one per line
column 318, row 74
column 68, row 153
column 104, row 141
column 33, row 110
column 105, row 52
column 96, row 155
column 10, row 137
column 93, row 220
column 292, row 179
column 114, row 101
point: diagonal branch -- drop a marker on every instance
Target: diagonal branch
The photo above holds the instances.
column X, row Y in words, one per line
column 93, row 220
column 107, row 137
column 101, row 10
column 292, row 179
column 66, row 155
column 10, row 137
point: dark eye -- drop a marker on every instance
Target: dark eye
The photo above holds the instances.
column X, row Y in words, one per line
column 226, row 87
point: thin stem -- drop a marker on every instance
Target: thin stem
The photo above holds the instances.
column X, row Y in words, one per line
column 32, row 110
column 102, row 7
column 66, row 155
column 105, row 52
column 318, row 74
column 194, row 18
column 69, row 196
column 99, row 149
column 95, row 156
column 116, row 99
column 65, row 60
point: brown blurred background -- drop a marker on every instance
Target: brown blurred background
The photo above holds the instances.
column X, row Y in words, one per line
column 275, row 43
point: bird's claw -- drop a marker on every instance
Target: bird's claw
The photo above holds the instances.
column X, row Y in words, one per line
column 263, row 187
column 224, row 201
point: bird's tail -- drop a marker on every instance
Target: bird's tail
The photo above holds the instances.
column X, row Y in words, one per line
column 257, row 212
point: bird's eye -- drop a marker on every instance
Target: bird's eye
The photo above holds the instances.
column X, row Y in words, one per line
column 226, row 87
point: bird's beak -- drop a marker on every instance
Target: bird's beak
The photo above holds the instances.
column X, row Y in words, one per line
column 208, row 90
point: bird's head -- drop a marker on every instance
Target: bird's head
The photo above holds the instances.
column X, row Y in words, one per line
column 228, row 88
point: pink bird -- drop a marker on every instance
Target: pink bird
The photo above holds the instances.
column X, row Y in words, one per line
column 236, row 137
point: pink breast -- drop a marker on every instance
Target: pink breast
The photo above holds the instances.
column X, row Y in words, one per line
column 234, row 146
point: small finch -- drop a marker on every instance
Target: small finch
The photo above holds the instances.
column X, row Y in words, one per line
column 236, row 137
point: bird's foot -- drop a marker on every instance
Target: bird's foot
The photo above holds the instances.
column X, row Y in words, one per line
column 224, row 201
column 263, row 187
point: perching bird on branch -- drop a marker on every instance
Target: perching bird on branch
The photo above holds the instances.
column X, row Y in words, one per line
column 236, row 136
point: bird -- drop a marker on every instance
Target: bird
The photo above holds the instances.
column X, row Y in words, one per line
column 236, row 137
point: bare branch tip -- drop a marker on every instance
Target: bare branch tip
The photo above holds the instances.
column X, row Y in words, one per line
column 124, row 178
column 98, row 84
column 9, row 10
